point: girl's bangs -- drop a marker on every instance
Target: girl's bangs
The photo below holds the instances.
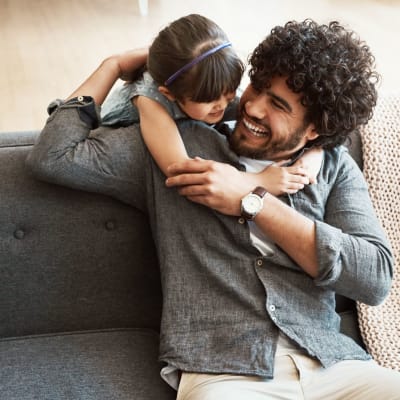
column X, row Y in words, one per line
column 215, row 79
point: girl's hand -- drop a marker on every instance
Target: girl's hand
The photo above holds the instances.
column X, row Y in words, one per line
column 311, row 162
column 130, row 62
column 279, row 180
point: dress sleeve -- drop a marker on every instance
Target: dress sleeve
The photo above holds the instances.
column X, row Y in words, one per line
column 118, row 109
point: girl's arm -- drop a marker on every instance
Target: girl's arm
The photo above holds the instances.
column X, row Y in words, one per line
column 160, row 133
column 278, row 179
column 100, row 82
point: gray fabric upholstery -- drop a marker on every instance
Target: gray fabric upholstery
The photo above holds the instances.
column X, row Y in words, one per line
column 80, row 296
column 119, row 364
column 70, row 260
column 355, row 147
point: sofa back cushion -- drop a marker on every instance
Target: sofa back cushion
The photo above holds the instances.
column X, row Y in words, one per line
column 70, row 260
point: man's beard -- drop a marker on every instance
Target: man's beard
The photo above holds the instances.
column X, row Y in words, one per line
column 237, row 145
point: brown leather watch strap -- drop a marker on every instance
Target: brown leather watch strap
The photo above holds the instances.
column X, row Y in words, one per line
column 249, row 209
column 260, row 191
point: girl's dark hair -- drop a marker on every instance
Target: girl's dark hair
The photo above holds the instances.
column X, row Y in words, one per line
column 182, row 41
column 329, row 66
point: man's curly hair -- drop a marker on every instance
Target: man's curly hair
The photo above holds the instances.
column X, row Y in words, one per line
column 329, row 66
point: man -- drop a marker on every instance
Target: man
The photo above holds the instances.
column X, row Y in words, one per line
column 249, row 280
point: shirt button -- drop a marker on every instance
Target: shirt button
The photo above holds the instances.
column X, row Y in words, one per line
column 80, row 98
column 272, row 308
column 110, row 225
column 241, row 220
column 259, row 262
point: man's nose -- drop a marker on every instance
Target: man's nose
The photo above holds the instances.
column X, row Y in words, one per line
column 257, row 107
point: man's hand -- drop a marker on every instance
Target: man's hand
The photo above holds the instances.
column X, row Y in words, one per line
column 213, row 184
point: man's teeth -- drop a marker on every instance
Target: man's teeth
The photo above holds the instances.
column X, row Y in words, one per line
column 254, row 129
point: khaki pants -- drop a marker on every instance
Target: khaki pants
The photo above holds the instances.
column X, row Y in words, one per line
column 298, row 377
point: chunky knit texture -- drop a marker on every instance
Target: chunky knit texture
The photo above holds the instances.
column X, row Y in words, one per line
column 380, row 326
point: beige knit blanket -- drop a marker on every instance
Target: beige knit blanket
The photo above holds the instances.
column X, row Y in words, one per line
column 380, row 325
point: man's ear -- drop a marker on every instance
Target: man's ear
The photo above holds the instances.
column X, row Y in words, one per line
column 311, row 132
column 164, row 90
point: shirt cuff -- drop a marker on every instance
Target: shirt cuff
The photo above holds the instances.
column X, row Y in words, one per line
column 328, row 251
column 88, row 110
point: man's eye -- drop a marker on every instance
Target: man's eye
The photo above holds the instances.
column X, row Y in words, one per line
column 276, row 104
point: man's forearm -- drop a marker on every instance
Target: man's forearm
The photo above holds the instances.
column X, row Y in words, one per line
column 107, row 161
column 291, row 231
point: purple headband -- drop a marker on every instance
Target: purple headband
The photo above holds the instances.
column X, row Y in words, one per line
column 196, row 61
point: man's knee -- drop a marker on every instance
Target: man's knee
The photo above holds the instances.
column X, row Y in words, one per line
column 382, row 383
column 358, row 380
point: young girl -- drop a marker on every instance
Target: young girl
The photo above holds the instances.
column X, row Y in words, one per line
column 192, row 72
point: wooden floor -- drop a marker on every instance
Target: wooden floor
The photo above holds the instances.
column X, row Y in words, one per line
column 47, row 47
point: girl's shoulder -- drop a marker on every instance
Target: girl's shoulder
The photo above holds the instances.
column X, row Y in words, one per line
column 144, row 86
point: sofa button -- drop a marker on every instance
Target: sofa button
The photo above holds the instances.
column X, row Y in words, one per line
column 110, row 225
column 19, row 234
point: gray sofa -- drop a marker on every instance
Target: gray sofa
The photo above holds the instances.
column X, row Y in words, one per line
column 80, row 297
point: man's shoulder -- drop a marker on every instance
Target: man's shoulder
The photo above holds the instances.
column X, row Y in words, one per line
column 339, row 164
column 338, row 155
column 205, row 141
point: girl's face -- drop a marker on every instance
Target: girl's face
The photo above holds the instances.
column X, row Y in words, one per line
column 210, row 113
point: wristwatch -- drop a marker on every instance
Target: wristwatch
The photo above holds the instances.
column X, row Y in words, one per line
column 252, row 203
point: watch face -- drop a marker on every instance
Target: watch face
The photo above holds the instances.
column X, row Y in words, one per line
column 252, row 203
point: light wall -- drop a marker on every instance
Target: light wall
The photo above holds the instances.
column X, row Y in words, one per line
column 49, row 46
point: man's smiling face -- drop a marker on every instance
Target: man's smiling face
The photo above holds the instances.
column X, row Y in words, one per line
column 271, row 123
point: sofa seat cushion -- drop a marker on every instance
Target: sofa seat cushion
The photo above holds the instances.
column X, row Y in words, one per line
column 110, row 364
